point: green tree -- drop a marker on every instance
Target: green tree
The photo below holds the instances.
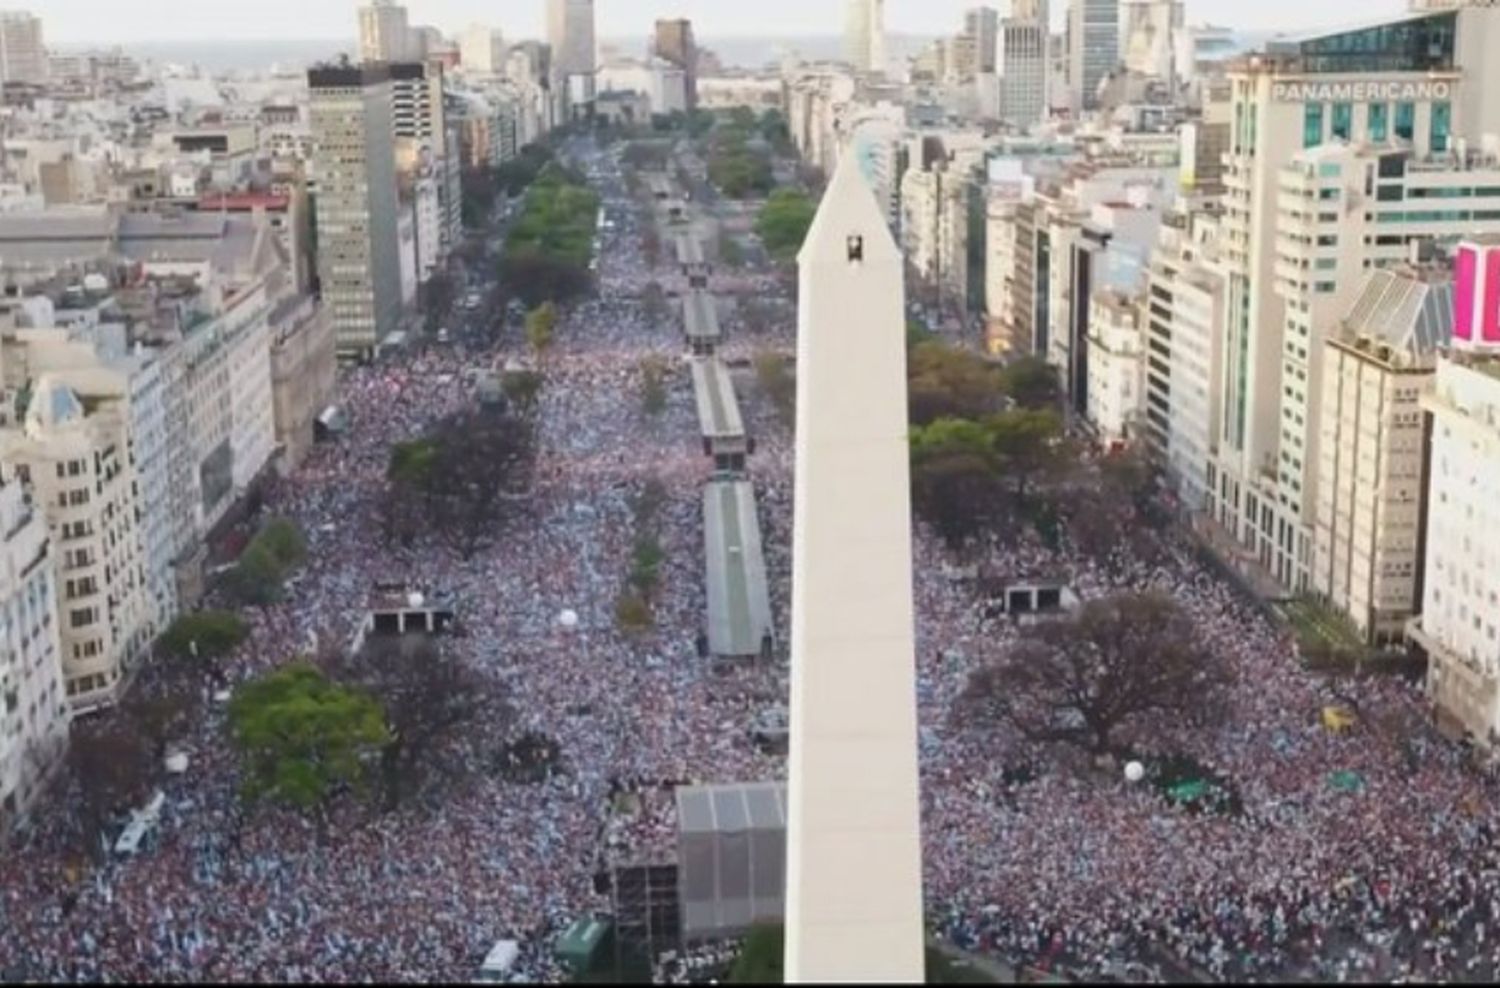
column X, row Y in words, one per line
column 256, row 577
column 1031, row 382
column 774, row 376
column 653, row 385
column 955, row 480
column 540, row 323
column 213, row 634
column 303, row 738
column 522, row 388
column 1030, row 446
column 284, row 540
column 761, row 959
column 947, row 382
column 784, row 221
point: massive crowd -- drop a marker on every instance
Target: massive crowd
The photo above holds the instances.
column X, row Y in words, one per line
column 1397, row 880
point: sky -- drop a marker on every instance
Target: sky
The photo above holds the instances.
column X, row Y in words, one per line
column 125, row 21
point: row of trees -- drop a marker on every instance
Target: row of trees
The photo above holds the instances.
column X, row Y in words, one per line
column 462, row 479
column 739, row 160
column 550, row 244
column 634, row 606
column 783, row 223
column 480, row 187
column 258, row 577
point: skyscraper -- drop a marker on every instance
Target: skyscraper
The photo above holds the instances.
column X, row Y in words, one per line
column 23, row 58
column 481, row 51
column 864, row 35
column 982, row 24
column 674, row 43
column 350, row 109
column 1021, row 62
column 1151, row 27
column 570, row 32
column 384, row 35
column 854, row 855
column 1093, row 49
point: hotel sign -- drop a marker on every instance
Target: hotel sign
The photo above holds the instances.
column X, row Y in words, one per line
column 1361, row 92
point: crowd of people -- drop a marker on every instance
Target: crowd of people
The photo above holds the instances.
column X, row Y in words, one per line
column 1052, row 868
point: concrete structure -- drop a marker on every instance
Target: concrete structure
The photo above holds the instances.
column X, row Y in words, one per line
column 864, row 35
column 1185, row 308
column 384, row 34
column 359, row 263
column 481, row 51
column 674, row 43
column 23, row 57
column 1021, row 64
column 74, row 458
column 1115, row 363
column 982, row 24
column 33, row 707
column 1460, row 609
column 1093, row 49
column 854, row 868
column 739, row 624
column 1413, row 81
column 303, row 374
column 570, row 32
column 1372, row 467
column 1150, row 30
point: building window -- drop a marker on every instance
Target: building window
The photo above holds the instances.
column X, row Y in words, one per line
column 1406, row 121
column 1312, row 125
column 1442, row 126
column 1343, row 120
column 1378, row 122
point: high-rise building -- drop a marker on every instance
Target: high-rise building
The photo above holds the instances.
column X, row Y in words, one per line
column 1459, row 627
column 350, row 110
column 1150, row 31
column 570, row 32
column 853, row 814
column 23, row 57
column 481, row 51
column 674, row 43
column 864, row 35
column 983, row 25
column 1021, row 63
column 384, row 35
column 34, row 718
column 1093, row 49
column 1378, row 366
column 1403, row 94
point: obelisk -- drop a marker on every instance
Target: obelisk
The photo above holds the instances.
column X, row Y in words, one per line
column 854, row 870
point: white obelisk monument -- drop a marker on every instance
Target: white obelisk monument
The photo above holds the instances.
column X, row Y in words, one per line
column 854, row 868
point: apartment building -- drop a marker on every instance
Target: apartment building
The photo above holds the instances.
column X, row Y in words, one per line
column 33, row 706
column 72, row 454
column 1379, row 365
column 303, row 375
column 23, row 56
column 1115, row 363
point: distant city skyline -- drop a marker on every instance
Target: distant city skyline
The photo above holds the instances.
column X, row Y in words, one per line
column 112, row 22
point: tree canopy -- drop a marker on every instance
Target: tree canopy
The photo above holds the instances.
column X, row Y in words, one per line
column 784, row 221
column 302, row 738
column 1121, row 662
column 550, row 244
column 203, row 634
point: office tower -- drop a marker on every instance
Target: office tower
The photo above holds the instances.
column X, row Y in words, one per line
column 23, row 57
column 34, row 720
column 1093, row 49
column 1151, row 27
column 1378, row 365
column 570, row 32
column 1021, row 64
column 1404, row 101
column 854, row 855
column 481, row 51
column 384, row 35
column 864, row 35
column 674, row 43
column 355, row 163
column 983, row 25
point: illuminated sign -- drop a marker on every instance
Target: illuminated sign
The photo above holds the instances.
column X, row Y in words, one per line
column 1360, row 92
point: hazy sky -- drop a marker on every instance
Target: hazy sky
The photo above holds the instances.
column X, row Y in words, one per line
column 188, row 20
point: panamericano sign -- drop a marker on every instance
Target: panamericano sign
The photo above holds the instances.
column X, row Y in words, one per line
column 1361, row 92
